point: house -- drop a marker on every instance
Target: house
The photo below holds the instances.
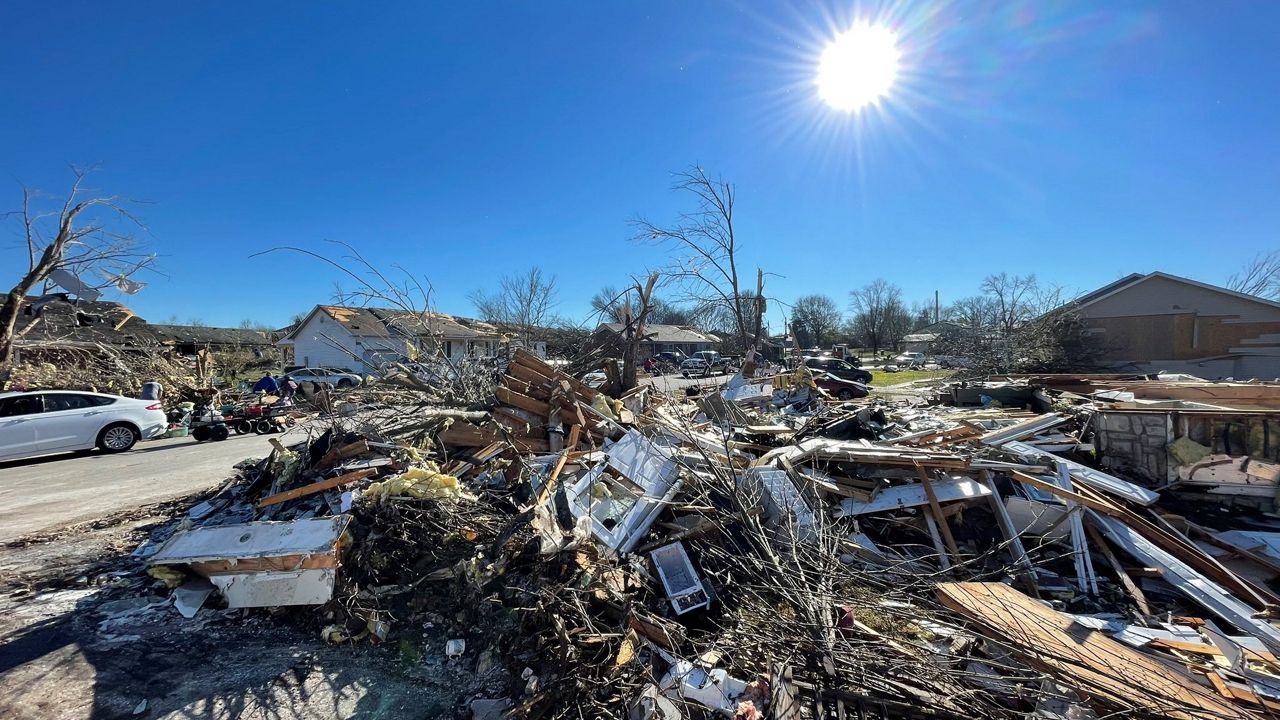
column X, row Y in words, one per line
column 187, row 339
column 55, row 324
column 363, row 339
column 1164, row 323
column 922, row 340
column 657, row 339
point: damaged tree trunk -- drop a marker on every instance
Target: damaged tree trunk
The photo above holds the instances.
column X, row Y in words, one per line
column 635, row 333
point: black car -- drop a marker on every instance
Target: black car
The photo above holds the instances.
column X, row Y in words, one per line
column 842, row 369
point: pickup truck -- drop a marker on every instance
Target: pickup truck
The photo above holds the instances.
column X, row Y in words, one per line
column 704, row 364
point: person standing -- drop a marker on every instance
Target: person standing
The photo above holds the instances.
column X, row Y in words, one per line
column 267, row 385
column 152, row 390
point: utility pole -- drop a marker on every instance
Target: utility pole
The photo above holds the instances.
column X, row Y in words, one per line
column 935, row 306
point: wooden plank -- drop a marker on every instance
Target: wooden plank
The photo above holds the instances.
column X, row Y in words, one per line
column 540, row 384
column 943, row 526
column 350, row 450
column 468, row 435
column 1188, row 647
column 1083, row 658
column 1134, row 591
column 314, row 488
column 533, row 362
column 1103, row 507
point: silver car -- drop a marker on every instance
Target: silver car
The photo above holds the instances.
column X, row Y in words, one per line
column 44, row 422
column 336, row 378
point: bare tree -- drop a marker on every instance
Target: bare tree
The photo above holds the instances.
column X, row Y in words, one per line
column 976, row 311
column 879, row 315
column 708, row 269
column 1260, row 276
column 1014, row 298
column 526, row 301
column 81, row 244
column 814, row 318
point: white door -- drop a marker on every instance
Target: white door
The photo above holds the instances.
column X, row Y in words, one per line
column 17, row 425
column 70, row 421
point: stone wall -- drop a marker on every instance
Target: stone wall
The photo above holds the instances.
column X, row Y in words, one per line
column 1135, row 444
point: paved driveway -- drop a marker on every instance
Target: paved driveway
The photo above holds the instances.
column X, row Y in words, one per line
column 50, row 492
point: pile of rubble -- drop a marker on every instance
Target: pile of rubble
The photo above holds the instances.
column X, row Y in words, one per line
column 727, row 554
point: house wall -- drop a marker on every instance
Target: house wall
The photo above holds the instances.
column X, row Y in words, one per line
column 324, row 342
column 1163, row 324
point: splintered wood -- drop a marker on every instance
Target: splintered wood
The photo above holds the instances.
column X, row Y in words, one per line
column 1083, row 657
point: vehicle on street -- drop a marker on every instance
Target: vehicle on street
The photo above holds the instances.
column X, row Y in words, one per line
column 45, row 422
column 840, row 368
column 695, row 367
column 712, row 364
column 329, row 376
column 838, row 387
column 909, row 360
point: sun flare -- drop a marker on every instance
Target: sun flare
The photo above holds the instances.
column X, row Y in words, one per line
column 858, row 67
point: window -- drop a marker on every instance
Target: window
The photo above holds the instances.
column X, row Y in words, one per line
column 21, row 405
column 65, row 401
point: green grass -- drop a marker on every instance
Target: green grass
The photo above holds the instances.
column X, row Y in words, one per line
column 879, row 378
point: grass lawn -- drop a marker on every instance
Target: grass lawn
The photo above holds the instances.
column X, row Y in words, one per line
column 879, row 378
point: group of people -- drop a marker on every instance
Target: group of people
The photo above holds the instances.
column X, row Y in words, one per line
column 285, row 387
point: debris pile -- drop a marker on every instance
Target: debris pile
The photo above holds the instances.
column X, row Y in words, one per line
column 733, row 555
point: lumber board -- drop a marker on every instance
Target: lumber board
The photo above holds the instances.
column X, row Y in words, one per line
column 317, row 487
column 1083, row 657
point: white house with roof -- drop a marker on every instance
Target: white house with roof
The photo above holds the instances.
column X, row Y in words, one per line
column 364, row 339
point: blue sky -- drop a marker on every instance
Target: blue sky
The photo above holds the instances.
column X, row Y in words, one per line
column 462, row 141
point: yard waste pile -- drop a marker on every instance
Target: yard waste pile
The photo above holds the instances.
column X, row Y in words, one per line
column 728, row 554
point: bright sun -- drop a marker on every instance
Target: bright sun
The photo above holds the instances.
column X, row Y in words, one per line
column 858, row 67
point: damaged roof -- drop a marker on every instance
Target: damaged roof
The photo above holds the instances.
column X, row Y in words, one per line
column 669, row 333
column 202, row 335
column 60, row 322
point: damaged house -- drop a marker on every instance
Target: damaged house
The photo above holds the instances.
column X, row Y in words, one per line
column 658, row 339
column 364, row 339
column 51, row 324
column 187, row 339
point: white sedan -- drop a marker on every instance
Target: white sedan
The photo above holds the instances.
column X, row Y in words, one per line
column 43, row 422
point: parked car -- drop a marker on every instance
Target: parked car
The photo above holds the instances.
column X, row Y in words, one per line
column 838, row 387
column 909, row 360
column 45, row 422
column 337, row 378
column 839, row 368
column 695, row 367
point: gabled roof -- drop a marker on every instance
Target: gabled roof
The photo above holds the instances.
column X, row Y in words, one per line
column 669, row 333
column 1134, row 279
column 387, row 322
column 361, row 322
column 406, row 322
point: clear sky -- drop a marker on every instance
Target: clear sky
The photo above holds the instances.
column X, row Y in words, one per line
column 1079, row 141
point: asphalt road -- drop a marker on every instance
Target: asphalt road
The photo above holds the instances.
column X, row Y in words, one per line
column 51, row 492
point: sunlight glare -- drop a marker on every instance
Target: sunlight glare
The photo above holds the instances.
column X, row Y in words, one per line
column 858, row 67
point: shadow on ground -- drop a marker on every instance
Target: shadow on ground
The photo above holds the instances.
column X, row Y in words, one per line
column 92, row 638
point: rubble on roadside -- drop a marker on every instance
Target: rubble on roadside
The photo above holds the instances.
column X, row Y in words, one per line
column 750, row 553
